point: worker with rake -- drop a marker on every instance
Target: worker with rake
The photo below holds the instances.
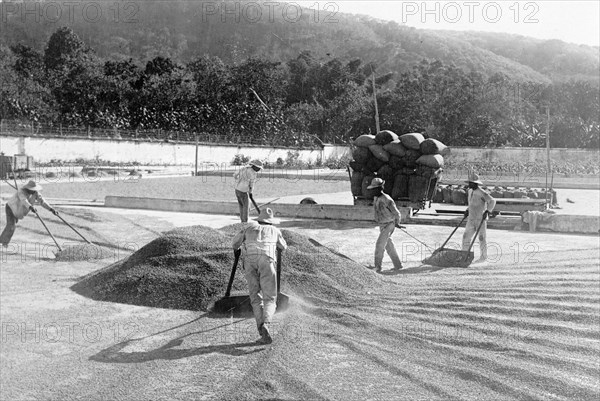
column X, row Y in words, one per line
column 387, row 216
column 259, row 244
column 481, row 204
column 244, row 182
column 19, row 206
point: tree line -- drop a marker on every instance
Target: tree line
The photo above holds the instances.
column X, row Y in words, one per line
column 298, row 102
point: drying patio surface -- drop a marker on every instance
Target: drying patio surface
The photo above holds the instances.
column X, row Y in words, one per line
column 523, row 325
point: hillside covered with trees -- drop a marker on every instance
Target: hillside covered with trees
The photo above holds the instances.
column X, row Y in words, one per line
column 180, row 66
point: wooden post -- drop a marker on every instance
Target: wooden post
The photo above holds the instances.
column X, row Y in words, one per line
column 375, row 101
column 196, row 169
column 548, row 138
column 548, row 164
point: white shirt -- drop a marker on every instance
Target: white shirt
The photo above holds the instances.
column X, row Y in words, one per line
column 479, row 201
column 20, row 202
column 259, row 239
column 245, row 179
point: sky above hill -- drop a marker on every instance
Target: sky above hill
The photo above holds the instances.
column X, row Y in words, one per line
column 570, row 21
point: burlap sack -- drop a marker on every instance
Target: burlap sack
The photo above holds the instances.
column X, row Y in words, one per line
column 356, row 183
column 417, row 188
column 497, row 193
column 400, row 190
column 447, row 194
column 433, row 147
column 438, row 197
column 368, row 193
column 519, row 194
column 411, row 157
column 364, row 141
column 428, row 172
column 374, row 164
column 412, row 141
column 395, row 148
column 361, row 155
column 433, row 161
column 387, row 173
column 396, row 162
column 384, row 137
column 459, row 196
column 380, row 153
column 356, row 166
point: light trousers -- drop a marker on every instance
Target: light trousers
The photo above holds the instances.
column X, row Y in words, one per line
column 261, row 276
column 470, row 230
column 384, row 242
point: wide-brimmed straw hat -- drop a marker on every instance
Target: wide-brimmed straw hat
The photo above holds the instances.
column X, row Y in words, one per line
column 257, row 163
column 376, row 183
column 474, row 178
column 266, row 216
column 32, row 186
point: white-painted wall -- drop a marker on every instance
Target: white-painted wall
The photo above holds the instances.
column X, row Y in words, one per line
column 152, row 153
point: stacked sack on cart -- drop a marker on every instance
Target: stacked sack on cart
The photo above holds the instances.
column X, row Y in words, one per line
column 410, row 165
column 457, row 194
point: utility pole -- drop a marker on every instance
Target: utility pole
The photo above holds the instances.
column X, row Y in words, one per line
column 548, row 138
column 548, row 164
column 375, row 101
column 196, row 170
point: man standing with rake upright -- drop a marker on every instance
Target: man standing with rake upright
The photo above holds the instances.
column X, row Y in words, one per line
column 481, row 204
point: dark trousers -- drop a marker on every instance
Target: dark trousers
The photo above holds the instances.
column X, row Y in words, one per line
column 11, row 225
column 244, row 202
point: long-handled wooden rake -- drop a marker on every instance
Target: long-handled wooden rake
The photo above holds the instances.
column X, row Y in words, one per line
column 46, row 227
column 73, row 228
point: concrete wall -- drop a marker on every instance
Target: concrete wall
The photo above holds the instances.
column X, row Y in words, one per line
column 523, row 155
column 559, row 223
column 152, row 153
column 332, row 212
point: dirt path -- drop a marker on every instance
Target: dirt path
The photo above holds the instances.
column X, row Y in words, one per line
column 524, row 326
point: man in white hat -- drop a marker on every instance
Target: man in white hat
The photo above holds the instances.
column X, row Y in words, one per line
column 259, row 243
column 19, row 205
column 244, row 183
column 481, row 204
column 387, row 216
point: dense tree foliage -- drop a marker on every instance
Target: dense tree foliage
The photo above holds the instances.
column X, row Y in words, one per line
column 184, row 30
column 305, row 99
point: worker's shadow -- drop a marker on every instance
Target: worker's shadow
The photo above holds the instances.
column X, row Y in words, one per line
column 115, row 354
column 168, row 351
